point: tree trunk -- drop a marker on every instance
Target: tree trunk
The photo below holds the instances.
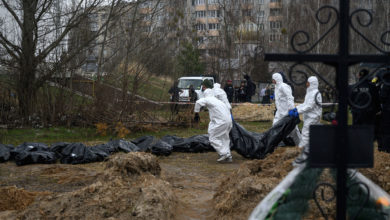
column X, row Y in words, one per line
column 26, row 85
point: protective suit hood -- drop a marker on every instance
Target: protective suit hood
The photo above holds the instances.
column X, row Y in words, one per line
column 313, row 83
column 220, row 94
column 278, row 78
column 208, row 93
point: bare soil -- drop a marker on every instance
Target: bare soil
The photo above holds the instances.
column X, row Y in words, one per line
column 142, row 186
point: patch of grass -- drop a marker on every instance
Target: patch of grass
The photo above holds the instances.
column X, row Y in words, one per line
column 50, row 135
column 77, row 134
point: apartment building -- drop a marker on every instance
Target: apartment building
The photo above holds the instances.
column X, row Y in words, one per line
column 246, row 24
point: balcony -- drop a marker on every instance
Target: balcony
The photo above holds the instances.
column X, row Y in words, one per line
column 275, row 18
column 275, row 5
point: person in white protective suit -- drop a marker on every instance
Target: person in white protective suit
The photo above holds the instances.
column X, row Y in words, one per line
column 284, row 101
column 220, row 123
column 311, row 111
column 220, row 94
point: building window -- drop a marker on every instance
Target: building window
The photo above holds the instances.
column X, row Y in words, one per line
column 94, row 26
column 261, row 26
column 213, row 26
column 200, row 27
column 214, row 14
column 247, row 1
column 201, row 40
column 276, row 0
column 247, row 12
column 261, row 14
column 199, row 2
column 261, row 2
column 274, row 37
column 213, row 1
column 275, row 24
column 200, row 14
column 274, row 12
column 145, row 5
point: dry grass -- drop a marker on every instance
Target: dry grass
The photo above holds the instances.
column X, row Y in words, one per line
column 238, row 194
column 254, row 112
column 13, row 198
column 127, row 188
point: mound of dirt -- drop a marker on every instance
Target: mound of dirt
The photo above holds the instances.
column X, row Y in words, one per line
column 133, row 164
column 378, row 173
column 238, row 194
column 129, row 188
column 254, row 112
column 13, row 198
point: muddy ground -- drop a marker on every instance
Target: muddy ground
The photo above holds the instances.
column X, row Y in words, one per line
column 142, row 186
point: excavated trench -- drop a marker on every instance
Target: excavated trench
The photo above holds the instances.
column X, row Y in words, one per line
column 142, row 186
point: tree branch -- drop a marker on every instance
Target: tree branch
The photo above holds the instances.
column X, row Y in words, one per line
column 10, row 10
column 7, row 44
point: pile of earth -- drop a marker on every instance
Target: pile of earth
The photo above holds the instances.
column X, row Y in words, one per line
column 239, row 193
column 130, row 187
column 379, row 173
column 253, row 112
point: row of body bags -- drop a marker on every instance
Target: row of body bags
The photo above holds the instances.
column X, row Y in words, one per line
column 248, row 144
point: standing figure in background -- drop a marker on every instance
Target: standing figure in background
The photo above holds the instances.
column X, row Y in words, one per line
column 229, row 89
column 360, row 93
column 192, row 94
column 242, row 92
column 220, row 122
column 266, row 98
column 262, row 94
column 175, row 94
column 383, row 121
column 250, row 89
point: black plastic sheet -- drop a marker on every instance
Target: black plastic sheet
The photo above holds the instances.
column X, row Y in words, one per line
column 171, row 139
column 123, row 146
column 257, row 146
column 161, row 148
column 144, row 143
column 32, row 153
column 34, row 157
column 194, row 144
column 77, row 153
column 5, row 153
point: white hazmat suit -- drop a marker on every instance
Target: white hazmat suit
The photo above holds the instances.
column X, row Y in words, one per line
column 220, row 122
column 311, row 110
column 284, row 101
column 220, row 94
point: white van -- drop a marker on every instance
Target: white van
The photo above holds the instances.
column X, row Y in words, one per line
column 185, row 83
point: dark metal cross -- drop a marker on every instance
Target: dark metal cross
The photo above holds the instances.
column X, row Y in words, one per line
column 341, row 61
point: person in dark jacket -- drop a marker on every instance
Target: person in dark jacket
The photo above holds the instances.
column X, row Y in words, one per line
column 383, row 120
column 266, row 98
column 192, row 94
column 229, row 89
column 242, row 92
column 364, row 100
column 175, row 94
column 250, row 89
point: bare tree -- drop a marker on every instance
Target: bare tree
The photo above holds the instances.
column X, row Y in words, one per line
column 32, row 52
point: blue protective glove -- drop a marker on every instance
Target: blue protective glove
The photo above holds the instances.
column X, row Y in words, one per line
column 232, row 116
column 271, row 97
column 293, row 113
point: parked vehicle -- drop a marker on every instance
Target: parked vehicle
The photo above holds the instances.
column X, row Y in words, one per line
column 196, row 81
